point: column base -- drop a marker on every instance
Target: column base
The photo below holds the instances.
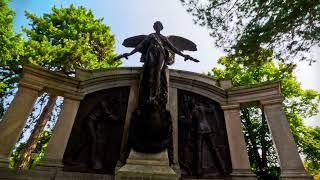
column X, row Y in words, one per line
column 4, row 162
column 18, row 174
column 146, row 166
column 294, row 174
column 241, row 174
column 50, row 164
column 176, row 168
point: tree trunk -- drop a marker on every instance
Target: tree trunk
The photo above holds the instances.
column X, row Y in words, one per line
column 252, row 137
column 264, row 143
column 1, row 106
column 31, row 144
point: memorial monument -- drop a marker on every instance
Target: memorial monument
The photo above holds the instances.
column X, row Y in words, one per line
column 147, row 123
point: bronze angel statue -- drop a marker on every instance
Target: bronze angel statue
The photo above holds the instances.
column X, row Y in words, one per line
column 151, row 123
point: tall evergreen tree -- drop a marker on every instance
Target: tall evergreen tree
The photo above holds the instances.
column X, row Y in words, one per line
column 63, row 40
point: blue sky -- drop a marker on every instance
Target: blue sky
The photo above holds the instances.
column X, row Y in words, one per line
column 133, row 17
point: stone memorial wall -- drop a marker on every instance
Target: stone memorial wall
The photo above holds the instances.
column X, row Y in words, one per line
column 90, row 138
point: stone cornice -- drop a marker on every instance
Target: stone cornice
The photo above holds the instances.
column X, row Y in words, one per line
column 90, row 81
column 84, row 75
column 255, row 93
column 197, row 83
column 230, row 107
column 96, row 80
column 272, row 101
column 126, row 76
column 56, row 83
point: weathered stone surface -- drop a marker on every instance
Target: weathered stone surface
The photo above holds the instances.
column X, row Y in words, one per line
column 14, row 120
column 50, row 174
column 173, row 108
column 14, row 174
column 55, row 83
column 141, row 166
column 238, row 149
column 290, row 162
column 58, row 141
column 62, row 175
column 225, row 83
column 254, row 93
column 36, row 79
column 132, row 105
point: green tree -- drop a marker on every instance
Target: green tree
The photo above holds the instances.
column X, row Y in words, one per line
column 298, row 104
column 243, row 27
column 63, row 40
column 68, row 38
column 37, row 153
column 10, row 49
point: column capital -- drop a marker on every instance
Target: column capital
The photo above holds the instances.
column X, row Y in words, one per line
column 277, row 100
column 230, row 106
column 33, row 86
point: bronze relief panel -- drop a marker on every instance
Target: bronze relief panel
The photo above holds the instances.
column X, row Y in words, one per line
column 95, row 140
column 203, row 143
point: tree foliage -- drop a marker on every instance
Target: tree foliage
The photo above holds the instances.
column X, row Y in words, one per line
column 37, row 153
column 298, row 105
column 68, row 38
column 10, row 49
column 243, row 27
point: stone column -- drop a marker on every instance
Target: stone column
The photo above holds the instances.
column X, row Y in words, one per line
column 60, row 136
column 238, row 150
column 14, row 120
column 288, row 155
column 132, row 105
column 172, row 106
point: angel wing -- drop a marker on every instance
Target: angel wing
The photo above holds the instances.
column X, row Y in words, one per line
column 182, row 43
column 133, row 41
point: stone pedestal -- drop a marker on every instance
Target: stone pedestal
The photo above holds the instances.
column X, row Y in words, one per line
column 146, row 166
